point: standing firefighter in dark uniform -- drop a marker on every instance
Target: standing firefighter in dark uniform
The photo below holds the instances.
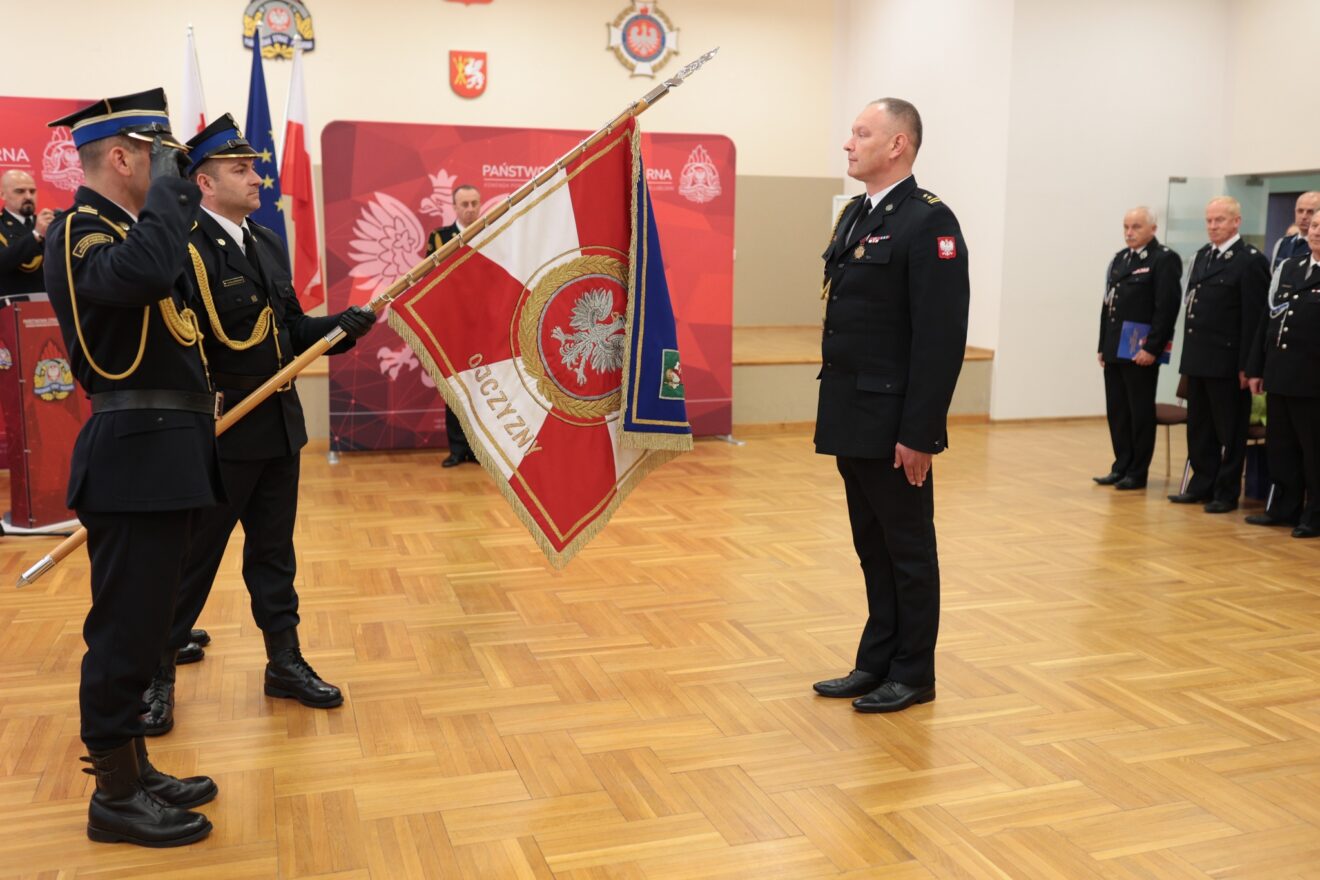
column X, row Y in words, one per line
column 1143, row 287
column 253, row 326
column 22, row 234
column 1225, row 304
column 896, row 291
column 1285, row 363
column 467, row 207
column 145, row 463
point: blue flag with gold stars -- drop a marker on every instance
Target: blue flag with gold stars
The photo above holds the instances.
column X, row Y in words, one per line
column 261, row 135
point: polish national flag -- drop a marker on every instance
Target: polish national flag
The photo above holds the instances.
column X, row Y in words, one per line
column 296, row 184
column 192, row 110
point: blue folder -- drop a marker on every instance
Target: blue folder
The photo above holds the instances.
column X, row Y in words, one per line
column 1131, row 339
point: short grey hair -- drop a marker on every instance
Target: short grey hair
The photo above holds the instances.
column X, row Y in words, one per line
column 1145, row 212
column 907, row 116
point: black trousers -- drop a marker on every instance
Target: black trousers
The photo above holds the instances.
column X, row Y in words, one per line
column 1130, row 407
column 1292, row 443
column 1218, row 411
column 458, row 444
column 263, row 496
column 137, row 560
column 893, row 530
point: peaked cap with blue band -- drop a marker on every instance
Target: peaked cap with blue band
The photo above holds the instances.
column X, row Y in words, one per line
column 219, row 140
column 144, row 116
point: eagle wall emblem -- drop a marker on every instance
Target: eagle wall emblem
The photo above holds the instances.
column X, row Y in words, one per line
column 643, row 38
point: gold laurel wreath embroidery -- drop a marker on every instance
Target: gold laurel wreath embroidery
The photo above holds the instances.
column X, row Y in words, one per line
column 529, row 342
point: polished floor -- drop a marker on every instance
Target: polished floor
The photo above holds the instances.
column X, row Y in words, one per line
column 1128, row 689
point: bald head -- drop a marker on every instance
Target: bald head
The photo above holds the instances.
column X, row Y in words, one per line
column 1138, row 227
column 19, row 191
column 1223, row 218
column 1304, row 210
column 883, row 143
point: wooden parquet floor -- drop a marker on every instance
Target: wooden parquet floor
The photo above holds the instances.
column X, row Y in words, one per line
column 1128, row 689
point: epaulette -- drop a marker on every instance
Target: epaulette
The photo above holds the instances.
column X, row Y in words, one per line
column 88, row 209
column 1251, row 249
column 928, row 197
column 1164, row 248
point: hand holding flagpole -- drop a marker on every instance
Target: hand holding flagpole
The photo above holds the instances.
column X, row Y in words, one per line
column 410, row 278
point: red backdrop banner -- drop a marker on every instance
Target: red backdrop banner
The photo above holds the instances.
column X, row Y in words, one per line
column 387, row 185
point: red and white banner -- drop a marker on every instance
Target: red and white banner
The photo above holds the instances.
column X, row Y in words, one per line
column 296, row 185
column 191, row 117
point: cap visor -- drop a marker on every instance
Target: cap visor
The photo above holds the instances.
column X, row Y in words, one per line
column 150, row 136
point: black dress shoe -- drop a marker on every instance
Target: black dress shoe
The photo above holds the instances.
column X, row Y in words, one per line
column 200, row 636
column 470, row 456
column 1188, row 498
column 1108, row 479
column 1130, row 483
column 288, row 675
column 124, row 811
column 192, row 791
column 854, row 684
column 1264, row 519
column 893, row 696
column 1218, row 506
column 189, row 653
column 1306, row 532
column 454, row 460
column 159, row 697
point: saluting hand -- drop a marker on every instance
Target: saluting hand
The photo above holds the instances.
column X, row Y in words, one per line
column 916, row 465
column 167, row 161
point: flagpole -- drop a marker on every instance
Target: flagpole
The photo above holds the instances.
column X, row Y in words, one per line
column 379, row 302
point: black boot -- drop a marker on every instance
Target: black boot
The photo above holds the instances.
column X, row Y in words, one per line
column 159, row 697
column 123, row 810
column 190, row 792
column 289, row 675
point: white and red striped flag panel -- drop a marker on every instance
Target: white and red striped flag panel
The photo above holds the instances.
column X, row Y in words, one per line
column 192, row 108
column 296, row 185
column 534, row 334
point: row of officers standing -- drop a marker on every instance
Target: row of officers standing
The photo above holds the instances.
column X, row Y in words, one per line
column 1251, row 325
column 173, row 306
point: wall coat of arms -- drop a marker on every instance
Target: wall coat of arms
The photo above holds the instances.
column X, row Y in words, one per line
column 643, row 38
column 280, row 23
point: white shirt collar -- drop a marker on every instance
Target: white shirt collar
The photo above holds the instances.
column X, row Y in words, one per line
column 876, row 199
column 1228, row 245
column 235, row 231
column 19, row 217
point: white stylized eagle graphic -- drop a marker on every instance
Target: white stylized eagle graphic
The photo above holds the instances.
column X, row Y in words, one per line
column 599, row 337
column 644, row 40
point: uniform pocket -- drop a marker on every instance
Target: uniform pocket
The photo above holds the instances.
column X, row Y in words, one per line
column 878, row 383
column 877, row 254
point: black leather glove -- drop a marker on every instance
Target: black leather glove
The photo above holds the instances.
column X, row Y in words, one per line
column 356, row 321
column 167, row 161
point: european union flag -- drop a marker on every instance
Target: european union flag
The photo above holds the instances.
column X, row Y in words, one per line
column 261, row 135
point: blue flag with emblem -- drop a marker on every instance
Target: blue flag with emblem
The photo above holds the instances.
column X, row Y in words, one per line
column 261, row 135
column 654, row 407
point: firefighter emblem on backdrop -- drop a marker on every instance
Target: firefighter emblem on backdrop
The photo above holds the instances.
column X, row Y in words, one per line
column 643, row 38
column 280, row 23
column 59, row 161
column 52, row 379
column 700, row 180
column 468, row 72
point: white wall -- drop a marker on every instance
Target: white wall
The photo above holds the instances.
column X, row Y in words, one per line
column 1107, row 102
column 952, row 60
column 389, row 61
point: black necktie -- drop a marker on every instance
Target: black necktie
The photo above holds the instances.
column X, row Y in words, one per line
column 250, row 250
column 867, row 208
column 30, row 222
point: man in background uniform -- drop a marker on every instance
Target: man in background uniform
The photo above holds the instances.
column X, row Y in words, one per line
column 467, row 207
column 22, row 235
column 253, row 326
column 1294, row 244
column 897, row 291
column 1285, row 363
column 1143, row 287
column 145, row 463
column 1225, row 305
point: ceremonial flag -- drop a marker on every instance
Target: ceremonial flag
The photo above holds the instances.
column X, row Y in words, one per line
column 297, row 185
column 261, row 135
column 192, row 110
column 552, row 337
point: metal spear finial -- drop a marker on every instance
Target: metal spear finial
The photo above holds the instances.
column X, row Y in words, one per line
column 690, row 68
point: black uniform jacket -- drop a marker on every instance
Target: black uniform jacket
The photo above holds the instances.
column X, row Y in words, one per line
column 895, row 326
column 1225, row 305
column 1145, row 289
column 440, row 237
column 115, row 271
column 20, row 257
column 1286, row 352
column 240, row 288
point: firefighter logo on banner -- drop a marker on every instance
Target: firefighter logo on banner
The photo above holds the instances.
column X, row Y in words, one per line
column 700, row 178
column 52, row 379
column 468, row 71
column 59, row 161
column 643, row 38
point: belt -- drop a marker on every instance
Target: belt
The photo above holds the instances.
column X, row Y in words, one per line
column 238, row 382
column 185, row 401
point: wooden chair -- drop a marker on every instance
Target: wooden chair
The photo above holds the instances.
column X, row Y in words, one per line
column 1168, row 415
